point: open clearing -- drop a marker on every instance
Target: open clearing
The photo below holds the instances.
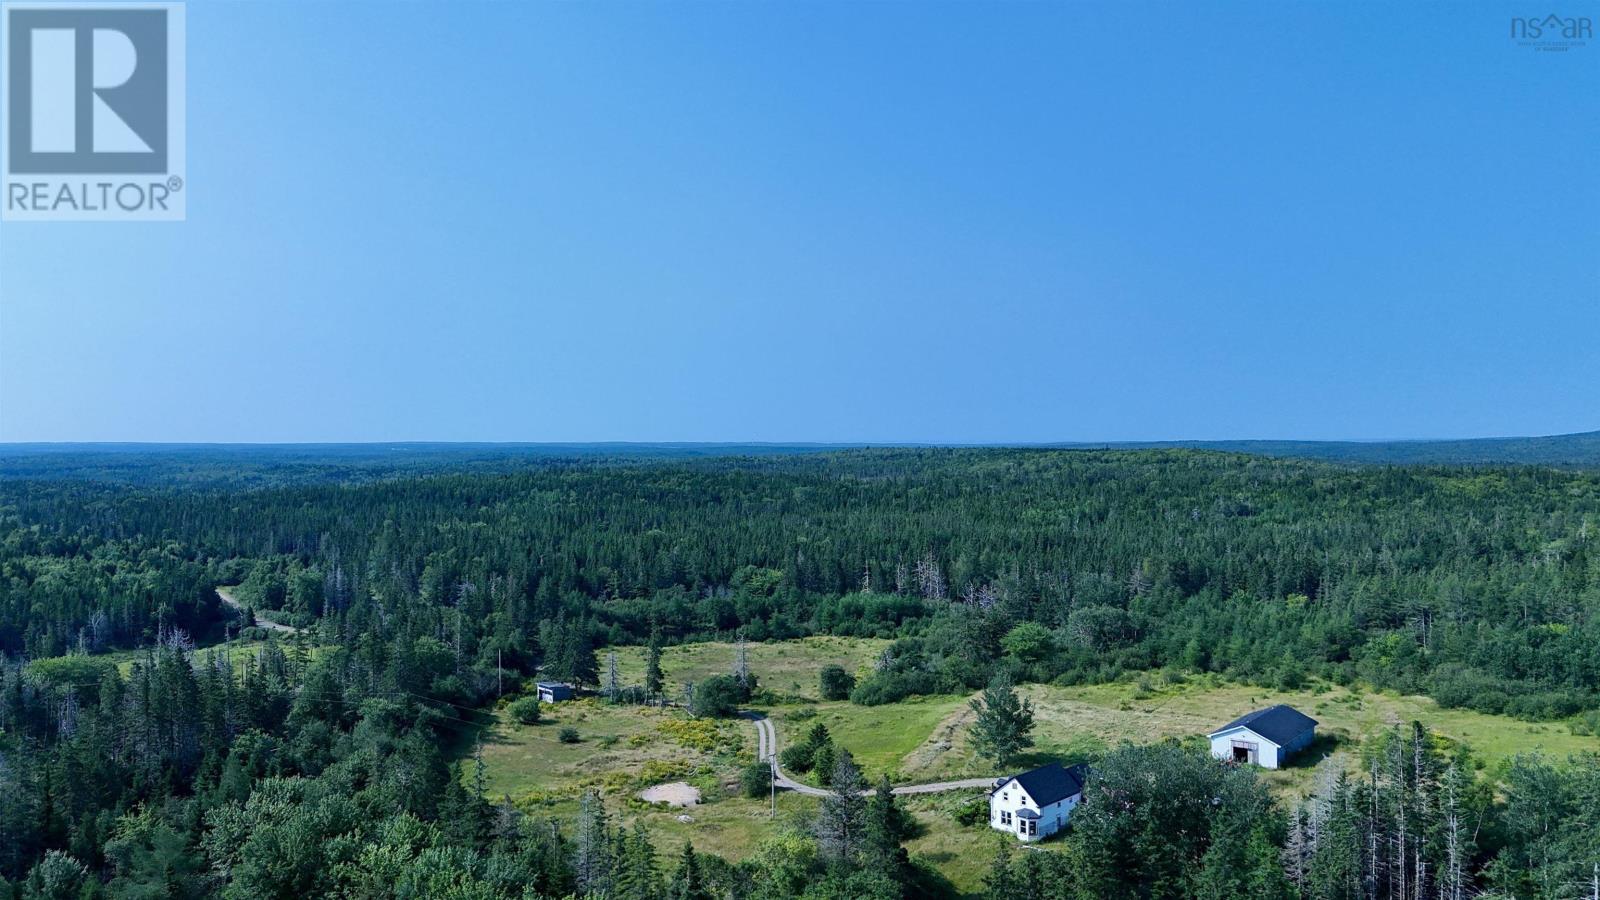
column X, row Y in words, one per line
column 624, row 750
column 1082, row 722
column 784, row 667
column 620, row 749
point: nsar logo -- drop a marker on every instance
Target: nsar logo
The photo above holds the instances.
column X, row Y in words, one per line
column 1553, row 32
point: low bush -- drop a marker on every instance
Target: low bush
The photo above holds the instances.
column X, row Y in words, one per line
column 525, row 710
column 797, row 758
column 755, row 779
column 568, row 735
column 891, row 687
column 836, row 683
column 971, row 811
column 696, row 734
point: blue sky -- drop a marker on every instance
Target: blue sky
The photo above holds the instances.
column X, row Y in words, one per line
column 980, row 222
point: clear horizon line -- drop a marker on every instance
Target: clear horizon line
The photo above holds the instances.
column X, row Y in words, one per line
column 42, row 444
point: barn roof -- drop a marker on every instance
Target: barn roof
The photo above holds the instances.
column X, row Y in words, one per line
column 1048, row 784
column 1279, row 724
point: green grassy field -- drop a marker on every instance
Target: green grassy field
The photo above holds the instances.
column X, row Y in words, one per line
column 888, row 738
column 620, row 749
column 784, row 667
column 922, row 739
column 1079, row 722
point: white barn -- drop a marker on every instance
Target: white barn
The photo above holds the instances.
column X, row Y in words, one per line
column 1034, row 805
column 1266, row 737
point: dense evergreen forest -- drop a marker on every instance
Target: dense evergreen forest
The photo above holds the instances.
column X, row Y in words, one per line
column 330, row 775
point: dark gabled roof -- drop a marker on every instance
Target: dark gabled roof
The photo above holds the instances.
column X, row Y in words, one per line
column 1048, row 784
column 1279, row 724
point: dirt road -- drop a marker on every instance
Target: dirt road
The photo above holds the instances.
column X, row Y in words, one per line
column 767, row 749
column 227, row 597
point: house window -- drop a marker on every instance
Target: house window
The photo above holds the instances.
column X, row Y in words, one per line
column 1005, row 817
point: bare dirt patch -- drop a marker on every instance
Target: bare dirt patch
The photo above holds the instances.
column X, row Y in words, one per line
column 674, row 793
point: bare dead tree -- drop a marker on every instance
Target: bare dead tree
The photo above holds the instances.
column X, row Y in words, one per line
column 930, row 581
column 741, row 662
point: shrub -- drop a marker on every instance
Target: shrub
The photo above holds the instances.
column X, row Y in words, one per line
column 1029, row 641
column 756, row 779
column 890, row 687
column 836, row 683
column 696, row 734
column 797, row 758
column 719, row 697
column 972, row 811
column 568, row 735
column 658, row 770
column 525, row 710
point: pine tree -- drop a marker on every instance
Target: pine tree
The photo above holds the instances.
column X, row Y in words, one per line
column 825, row 761
column 841, row 822
column 741, row 664
column 687, row 881
column 653, row 678
column 637, row 877
column 613, row 689
column 1004, row 722
column 592, row 852
column 888, row 826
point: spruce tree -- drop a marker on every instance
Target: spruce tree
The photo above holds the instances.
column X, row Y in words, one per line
column 592, row 852
column 888, row 826
column 1004, row 724
column 653, row 679
column 842, row 820
column 613, row 689
column 687, row 881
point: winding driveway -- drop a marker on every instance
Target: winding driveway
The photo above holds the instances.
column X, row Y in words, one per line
column 767, row 749
column 227, row 597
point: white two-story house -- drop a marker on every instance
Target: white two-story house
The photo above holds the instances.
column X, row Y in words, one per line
column 1034, row 805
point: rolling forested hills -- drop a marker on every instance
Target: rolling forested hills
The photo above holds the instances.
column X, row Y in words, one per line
column 1577, row 450
column 269, row 465
column 134, row 764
